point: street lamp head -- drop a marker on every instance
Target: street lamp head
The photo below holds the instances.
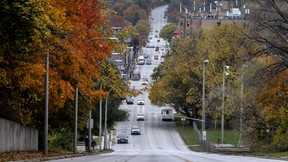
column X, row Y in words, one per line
column 206, row 61
column 226, row 67
column 226, row 73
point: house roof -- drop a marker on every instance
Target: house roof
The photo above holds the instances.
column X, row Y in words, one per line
column 177, row 32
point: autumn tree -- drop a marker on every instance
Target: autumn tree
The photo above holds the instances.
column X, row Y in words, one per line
column 167, row 31
column 24, row 31
column 269, row 29
column 269, row 26
column 177, row 83
column 134, row 14
column 66, row 31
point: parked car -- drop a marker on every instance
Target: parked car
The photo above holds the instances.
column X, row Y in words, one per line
column 122, row 138
column 130, row 101
column 140, row 117
column 135, row 130
column 140, row 102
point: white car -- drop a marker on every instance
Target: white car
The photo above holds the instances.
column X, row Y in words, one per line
column 141, row 102
column 135, row 130
column 140, row 116
column 144, row 83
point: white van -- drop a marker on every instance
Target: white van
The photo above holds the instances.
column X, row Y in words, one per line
column 136, row 75
column 167, row 114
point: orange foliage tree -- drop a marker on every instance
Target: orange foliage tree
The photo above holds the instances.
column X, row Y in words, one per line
column 64, row 29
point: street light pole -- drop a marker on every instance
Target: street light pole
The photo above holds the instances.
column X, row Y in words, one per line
column 105, row 121
column 89, row 132
column 241, row 104
column 203, row 102
column 100, row 109
column 223, row 103
column 46, row 106
column 100, row 120
column 75, row 120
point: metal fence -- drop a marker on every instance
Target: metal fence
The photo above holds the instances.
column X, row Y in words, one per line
column 207, row 146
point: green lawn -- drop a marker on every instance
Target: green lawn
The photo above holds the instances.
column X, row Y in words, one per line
column 232, row 137
column 189, row 136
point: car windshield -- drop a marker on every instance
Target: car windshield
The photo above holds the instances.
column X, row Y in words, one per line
column 140, row 114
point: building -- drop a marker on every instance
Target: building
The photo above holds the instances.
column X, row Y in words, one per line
column 208, row 14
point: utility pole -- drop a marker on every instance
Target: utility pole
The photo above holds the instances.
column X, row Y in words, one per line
column 46, row 106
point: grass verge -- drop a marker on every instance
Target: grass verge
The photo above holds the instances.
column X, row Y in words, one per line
column 232, row 137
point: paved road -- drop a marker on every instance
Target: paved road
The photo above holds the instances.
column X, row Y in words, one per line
column 159, row 141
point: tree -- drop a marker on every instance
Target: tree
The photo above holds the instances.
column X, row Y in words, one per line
column 177, row 83
column 134, row 14
column 143, row 28
column 24, row 31
column 269, row 30
column 167, row 31
column 269, row 19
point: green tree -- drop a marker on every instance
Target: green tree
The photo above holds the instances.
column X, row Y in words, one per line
column 167, row 31
column 177, row 83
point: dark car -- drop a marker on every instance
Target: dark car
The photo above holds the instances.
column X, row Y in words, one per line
column 149, row 61
column 130, row 101
column 156, row 57
column 122, row 138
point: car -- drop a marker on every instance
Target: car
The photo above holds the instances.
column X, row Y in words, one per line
column 162, row 60
column 135, row 130
column 145, row 79
column 149, row 61
column 157, row 49
column 140, row 117
column 144, row 83
column 156, row 57
column 122, row 138
column 130, row 101
column 158, row 40
column 140, row 102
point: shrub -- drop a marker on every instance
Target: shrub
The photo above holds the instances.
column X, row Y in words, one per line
column 60, row 140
